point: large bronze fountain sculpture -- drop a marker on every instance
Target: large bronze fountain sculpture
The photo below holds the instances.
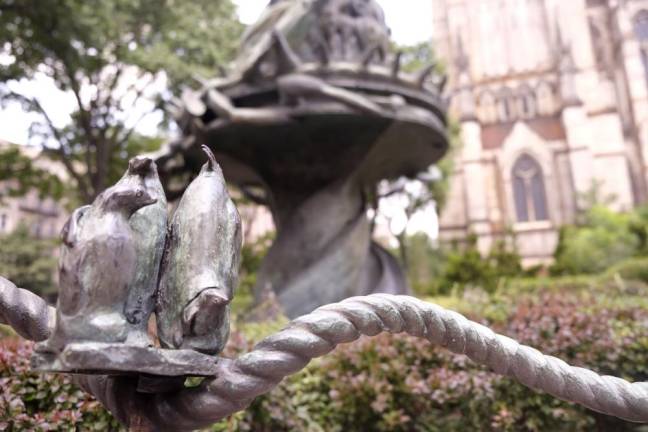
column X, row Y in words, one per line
column 312, row 114
column 122, row 262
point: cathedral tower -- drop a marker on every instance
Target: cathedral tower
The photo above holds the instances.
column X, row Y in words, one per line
column 552, row 101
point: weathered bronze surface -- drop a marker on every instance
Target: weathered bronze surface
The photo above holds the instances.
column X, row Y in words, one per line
column 149, row 226
column 200, row 269
column 312, row 114
column 98, row 266
column 110, row 266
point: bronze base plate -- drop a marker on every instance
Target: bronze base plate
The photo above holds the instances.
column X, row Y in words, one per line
column 93, row 358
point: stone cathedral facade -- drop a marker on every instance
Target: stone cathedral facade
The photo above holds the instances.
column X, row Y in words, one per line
column 552, row 98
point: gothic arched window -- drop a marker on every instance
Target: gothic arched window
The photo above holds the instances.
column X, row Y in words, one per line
column 506, row 111
column 641, row 30
column 487, row 108
column 527, row 106
column 529, row 190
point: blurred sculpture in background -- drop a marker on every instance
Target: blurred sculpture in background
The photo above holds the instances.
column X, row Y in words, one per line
column 310, row 117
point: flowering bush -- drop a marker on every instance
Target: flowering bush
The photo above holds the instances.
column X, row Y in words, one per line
column 391, row 383
column 33, row 402
column 403, row 384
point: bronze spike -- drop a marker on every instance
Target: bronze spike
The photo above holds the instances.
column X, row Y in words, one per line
column 396, row 65
column 289, row 61
column 442, row 83
column 323, row 53
column 210, row 156
column 369, row 54
column 425, row 74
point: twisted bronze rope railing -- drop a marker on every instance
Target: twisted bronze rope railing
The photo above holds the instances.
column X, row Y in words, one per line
column 241, row 380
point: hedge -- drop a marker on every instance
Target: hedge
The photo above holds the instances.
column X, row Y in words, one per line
column 389, row 383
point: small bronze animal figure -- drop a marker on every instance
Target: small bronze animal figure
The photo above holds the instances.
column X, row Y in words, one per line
column 149, row 225
column 200, row 268
column 97, row 267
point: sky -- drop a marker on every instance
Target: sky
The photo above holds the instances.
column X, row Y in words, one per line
column 409, row 20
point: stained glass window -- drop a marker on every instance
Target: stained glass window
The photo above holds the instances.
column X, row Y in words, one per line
column 529, row 190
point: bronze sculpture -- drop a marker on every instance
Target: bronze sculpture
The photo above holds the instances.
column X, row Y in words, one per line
column 149, row 226
column 110, row 268
column 200, row 269
column 97, row 267
column 311, row 115
column 337, row 80
column 144, row 386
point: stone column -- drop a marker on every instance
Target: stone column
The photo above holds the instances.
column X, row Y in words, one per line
column 475, row 182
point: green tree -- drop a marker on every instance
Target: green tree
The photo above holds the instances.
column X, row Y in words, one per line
column 426, row 262
column 19, row 175
column 465, row 266
column 28, row 262
column 639, row 228
column 416, row 57
column 120, row 60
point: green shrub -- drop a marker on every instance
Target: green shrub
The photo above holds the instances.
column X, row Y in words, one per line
column 393, row 383
column 639, row 227
column 604, row 239
column 251, row 258
column 634, row 269
column 33, row 402
column 566, row 284
column 399, row 383
column 28, row 261
column 425, row 263
column 466, row 267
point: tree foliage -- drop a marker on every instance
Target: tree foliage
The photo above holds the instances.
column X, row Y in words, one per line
column 602, row 239
column 118, row 59
column 426, row 262
column 28, row 261
column 466, row 267
column 19, row 174
column 415, row 58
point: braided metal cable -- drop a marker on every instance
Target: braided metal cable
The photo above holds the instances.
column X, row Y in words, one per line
column 27, row 313
column 241, row 380
column 316, row 334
